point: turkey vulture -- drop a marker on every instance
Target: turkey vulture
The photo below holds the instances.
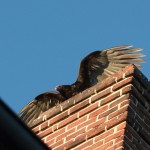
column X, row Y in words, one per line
column 94, row 68
column 99, row 65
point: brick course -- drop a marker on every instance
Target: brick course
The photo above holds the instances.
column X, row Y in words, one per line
column 112, row 115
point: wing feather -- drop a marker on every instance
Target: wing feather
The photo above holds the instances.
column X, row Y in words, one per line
column 40, row 104
column 101, row 64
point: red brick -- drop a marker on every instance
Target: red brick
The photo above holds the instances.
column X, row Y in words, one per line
column 95, row 131
column 110, row 98
column 125, row 102
column 101, row 94
column 103, row 147
column 92, row 147
column 57, row 143
column 88, row 109
column 45, row 132
column 84, row 95
column 54, row 127
column 79, row 106
column 127, row 89
column 71, row 143
column 122, row 83
column 84, row 124
column 114, row 136
column 116, row 146
column 106, row 113
column 85, row 144
column 54, row 134
column 67, row 120
column 58, row 117
column 64, row 146
column 96, row 124
column 106, row 83
column 79, row 139
column 121, row 126
column 119, row 100
column 119, row 111
column 116, row 120
column 63, row 135
column 77, row 122
column 75, row 134
column 127, row 71
column 121, row 148
column 119, row 139
column 98, row 111
column 105, row 134
column 44, row 125
column 50, row 142
column 36, row 129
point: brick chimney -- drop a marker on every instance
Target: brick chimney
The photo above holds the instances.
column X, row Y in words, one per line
column 112, row 115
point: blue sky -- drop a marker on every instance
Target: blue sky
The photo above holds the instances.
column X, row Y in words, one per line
column 43, row 42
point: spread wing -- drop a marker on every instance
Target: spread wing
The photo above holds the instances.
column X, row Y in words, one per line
column 40, row 104
column 101, row 64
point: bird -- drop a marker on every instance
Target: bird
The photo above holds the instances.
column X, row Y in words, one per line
column 94, row 68
column 100, row 65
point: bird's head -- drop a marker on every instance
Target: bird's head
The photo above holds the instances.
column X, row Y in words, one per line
column 65, row 90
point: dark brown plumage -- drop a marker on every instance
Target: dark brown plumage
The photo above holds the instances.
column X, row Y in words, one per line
column 94, row 68
column 99, row 65
column 40, row 104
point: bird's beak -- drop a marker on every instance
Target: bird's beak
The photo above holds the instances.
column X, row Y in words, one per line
column 57, row 88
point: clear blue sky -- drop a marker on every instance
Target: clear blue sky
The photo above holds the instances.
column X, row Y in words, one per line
column 43, row 42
